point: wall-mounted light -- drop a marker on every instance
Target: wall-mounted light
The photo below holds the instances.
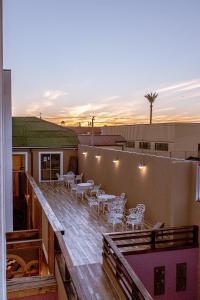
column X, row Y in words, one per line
column 116, row 161
column 85, row 153
column 98, row 156
column 141, row 166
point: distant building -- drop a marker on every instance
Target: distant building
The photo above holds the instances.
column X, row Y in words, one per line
column 116, row 141
column 180, row 140
column 85, row 130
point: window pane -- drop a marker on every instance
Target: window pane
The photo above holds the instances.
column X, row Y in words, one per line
column 50, row 165
column 45, row 174
column 159, row 280
column 130, row 144
column 45, row 161
column 55, row 161
column 53, row 174
column 145, row 145
column 161, row 146
column 181, row 277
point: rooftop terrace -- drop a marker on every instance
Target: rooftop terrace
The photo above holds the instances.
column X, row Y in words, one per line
column 83, row 237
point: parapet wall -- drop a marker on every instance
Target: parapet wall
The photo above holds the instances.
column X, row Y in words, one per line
column 166, row 186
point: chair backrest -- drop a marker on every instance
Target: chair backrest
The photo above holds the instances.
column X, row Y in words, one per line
column 90, row 181
column 70, row 173
column 100, row 192
column 141, row 207
column 72, row 184
column 123, row 195
column 132, row 210
column 58, row 175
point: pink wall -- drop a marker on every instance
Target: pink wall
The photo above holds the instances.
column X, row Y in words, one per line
column 49, row 296
column 144, row 264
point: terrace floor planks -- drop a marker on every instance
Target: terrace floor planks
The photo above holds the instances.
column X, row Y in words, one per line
column 83, row 237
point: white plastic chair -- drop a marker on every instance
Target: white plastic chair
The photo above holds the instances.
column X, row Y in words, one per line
column 73, row 187
column 90, row 181
column 123, row 196
column 79, row 178
column 60, row 177
column 135, row 219
column 80, row 191
column 115, row 220
column 92, row 202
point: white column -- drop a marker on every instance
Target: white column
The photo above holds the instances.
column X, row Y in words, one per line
column 7, row 118
column 2, row 179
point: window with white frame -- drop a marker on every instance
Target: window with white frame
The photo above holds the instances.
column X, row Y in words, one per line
column 50, row 165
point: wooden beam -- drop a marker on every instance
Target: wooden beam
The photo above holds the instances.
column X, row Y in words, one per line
column 31, row 286
column 22, row 235
column 51, row 254
column 29, row 244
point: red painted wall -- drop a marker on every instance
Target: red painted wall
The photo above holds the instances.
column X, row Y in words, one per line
column 50, row 296
column 144, row 264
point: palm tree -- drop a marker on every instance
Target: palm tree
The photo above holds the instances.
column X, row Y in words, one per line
column 62, row 123
column 151, row 97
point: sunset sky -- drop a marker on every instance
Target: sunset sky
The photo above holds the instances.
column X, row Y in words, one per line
column 72, row 59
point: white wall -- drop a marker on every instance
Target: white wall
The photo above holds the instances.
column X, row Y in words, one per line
column 2, row 181
column 8, row 148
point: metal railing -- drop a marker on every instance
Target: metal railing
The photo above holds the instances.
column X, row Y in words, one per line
column 117, row 245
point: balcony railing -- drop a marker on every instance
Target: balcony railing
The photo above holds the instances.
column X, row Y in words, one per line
column 51, row 232
column 117, row 245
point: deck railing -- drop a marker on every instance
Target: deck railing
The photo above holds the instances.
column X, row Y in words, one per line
column 117, row 245
column 42, row 217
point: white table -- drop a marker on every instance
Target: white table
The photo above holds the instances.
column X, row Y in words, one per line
column 68, row 178
column 104, row 198
column 85, row 185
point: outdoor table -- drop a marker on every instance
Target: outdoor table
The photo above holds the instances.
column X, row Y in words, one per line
column 104, row 198
column 67, row 178
column 85, row 185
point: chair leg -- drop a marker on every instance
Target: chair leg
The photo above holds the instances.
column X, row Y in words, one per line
column 113, row 227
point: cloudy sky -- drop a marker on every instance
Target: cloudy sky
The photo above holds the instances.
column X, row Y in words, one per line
column 72, row 59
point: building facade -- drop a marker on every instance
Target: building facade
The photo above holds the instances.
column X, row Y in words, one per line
column 181, row 140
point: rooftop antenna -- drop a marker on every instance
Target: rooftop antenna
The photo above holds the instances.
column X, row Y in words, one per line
column 40, row 115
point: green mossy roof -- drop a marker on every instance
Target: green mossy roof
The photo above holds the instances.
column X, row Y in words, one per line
column 34, row 132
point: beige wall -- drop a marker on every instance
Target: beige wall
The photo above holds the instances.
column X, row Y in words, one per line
column 166, row 186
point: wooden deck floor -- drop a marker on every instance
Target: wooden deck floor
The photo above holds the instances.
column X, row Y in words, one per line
column 83, row 237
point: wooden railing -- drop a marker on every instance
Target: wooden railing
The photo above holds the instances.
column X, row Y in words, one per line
column 42, row 217
column 117, row 245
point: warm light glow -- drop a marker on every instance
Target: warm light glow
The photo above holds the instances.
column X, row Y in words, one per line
column 98, row 156
column 115, row 161
column 84, row 153
column 141, row 166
